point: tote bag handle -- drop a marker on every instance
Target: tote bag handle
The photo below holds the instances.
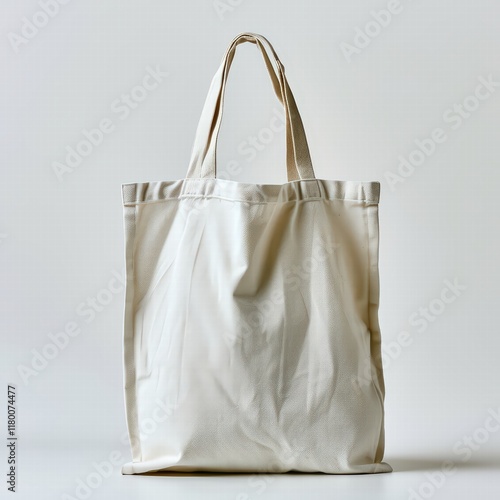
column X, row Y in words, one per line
column 203, row 157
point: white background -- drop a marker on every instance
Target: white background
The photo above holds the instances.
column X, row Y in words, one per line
column 61, row 237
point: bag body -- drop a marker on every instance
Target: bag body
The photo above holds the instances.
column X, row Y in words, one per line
column 251, row 335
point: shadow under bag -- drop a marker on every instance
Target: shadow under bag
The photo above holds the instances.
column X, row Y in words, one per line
column 251, row 339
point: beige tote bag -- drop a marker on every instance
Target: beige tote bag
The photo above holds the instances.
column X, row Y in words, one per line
column 251, row 339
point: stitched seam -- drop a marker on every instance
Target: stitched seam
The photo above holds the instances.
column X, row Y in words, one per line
column 132, row 203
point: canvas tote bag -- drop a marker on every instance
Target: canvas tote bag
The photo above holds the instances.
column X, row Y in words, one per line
column 251, row 339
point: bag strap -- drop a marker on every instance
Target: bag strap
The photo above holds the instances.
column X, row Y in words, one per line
column 203, row 156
